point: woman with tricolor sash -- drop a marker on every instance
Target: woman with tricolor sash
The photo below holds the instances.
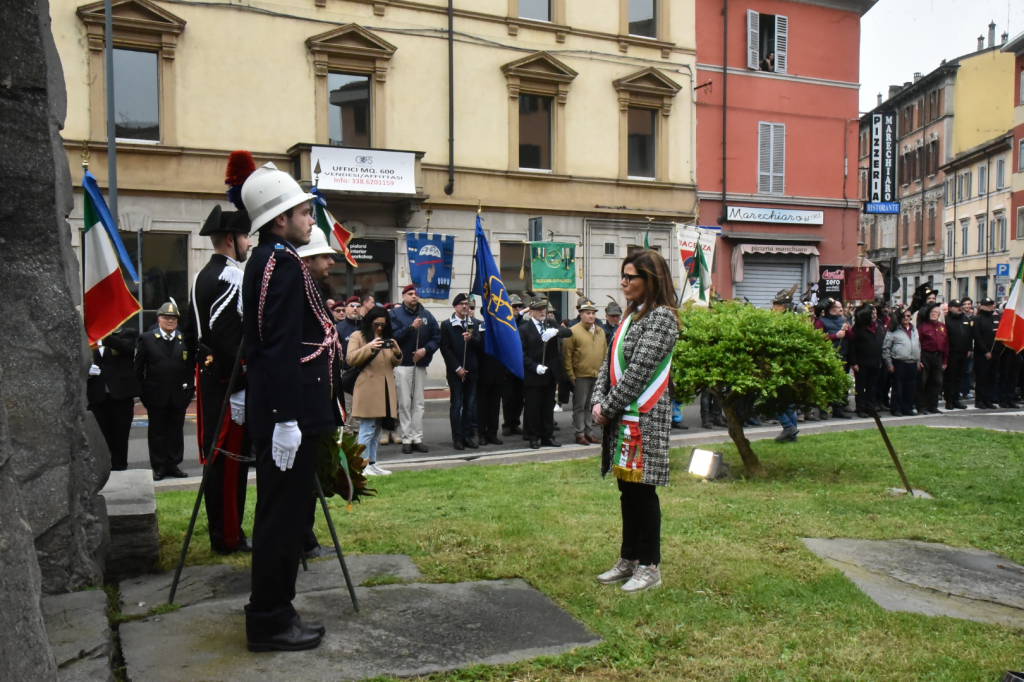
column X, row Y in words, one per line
column 632, row 401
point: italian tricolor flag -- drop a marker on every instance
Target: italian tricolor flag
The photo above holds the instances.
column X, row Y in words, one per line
column 107, row 302
column 337, row 236
column 1011, row 324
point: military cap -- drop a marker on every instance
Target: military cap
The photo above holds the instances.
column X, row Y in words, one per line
column 515, row 300
column 586, row 304
column 408, row 287
column 169, row 308
column 955, row 303
column 784, row 297
column 460, row 298
column 539, row 303
column 224, row 222
column 612, row 309
column 986, row 301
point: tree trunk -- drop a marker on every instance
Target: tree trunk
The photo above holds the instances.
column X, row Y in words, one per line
column 751, row 464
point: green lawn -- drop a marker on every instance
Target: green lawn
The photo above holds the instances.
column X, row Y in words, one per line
column 743, row 599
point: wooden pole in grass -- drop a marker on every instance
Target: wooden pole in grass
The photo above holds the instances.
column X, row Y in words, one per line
column 892, row 452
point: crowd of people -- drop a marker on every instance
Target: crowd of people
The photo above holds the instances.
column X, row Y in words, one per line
column 916, row 358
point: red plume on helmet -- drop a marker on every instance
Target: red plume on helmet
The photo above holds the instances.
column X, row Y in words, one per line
column 240, row 166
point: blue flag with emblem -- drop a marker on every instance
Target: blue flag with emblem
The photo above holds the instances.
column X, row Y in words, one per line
column 430, row 263
column 501, row 335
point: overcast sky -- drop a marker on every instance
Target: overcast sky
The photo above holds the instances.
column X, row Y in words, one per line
column 899, row 37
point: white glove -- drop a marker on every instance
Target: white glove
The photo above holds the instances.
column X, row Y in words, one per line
column 94, row 370
column 542, row 369
column 238, row 407
column 285, row 444
column 548, row 335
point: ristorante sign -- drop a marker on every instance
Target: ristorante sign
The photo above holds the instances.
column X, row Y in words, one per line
column 364, row 170
column 774, row 215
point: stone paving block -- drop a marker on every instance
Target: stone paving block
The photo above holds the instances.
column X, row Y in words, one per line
column 80, row 635
column 930, row 578
column 404, row 630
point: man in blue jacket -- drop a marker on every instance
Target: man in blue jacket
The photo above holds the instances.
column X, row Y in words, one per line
column 419, row 336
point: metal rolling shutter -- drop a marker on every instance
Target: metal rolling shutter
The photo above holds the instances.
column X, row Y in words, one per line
column 764, row 277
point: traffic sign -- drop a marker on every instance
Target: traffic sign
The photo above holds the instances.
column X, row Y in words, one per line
column 1002, row 269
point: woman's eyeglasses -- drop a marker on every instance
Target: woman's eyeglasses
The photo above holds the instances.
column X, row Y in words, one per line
column 629, row 278
column 380, row 324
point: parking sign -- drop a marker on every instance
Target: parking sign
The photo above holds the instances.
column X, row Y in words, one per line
column 1002, row 269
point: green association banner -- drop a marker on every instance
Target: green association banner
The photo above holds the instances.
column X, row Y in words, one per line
column 553, row 265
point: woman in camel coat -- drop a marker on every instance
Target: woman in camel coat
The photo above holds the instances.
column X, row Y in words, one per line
column 375, row 397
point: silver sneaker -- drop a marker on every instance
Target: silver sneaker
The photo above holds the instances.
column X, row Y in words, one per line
column 644, row 578
column 381, row 471
column 622, row 570
column 374, row 470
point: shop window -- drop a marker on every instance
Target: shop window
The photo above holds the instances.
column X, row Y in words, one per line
column 767, row 42
column 515, row 266
column 349, row 115
column 163, row 271
column 375, row 274
column 535, row 132
column 771, row 158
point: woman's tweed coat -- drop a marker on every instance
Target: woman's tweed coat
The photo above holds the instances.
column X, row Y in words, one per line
column 646, row 344
column 375, row 381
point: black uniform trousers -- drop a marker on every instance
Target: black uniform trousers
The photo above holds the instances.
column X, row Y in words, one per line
column 115, row 420
column 512, row 401
column 953, row 379
column 929, row 383
column 279, row 530
column 462, row 406
column 1007, row 370
column 539, row 411
column 166, row 436
column 488, row 406
column 984, row 379
column 867, row 377
column 641, row 523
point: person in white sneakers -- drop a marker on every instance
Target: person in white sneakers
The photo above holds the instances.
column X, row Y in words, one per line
column 633, row 402
column 375, row 398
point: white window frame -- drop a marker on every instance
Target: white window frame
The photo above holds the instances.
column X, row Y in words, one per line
column 754, row 41
column 771, row 157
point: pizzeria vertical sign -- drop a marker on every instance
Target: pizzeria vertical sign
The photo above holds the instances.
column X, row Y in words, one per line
column 882, row 179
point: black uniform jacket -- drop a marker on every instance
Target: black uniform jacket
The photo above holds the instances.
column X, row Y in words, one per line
column 985, row 325
column 165, row 369
column 453, row 347
column 214, row 348
column 281, row 329
column 117, row 369
column 961, row 333
column 536, row 352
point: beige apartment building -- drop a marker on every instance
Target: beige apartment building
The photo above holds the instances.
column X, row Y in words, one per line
column 979, row 246
column 573, row 119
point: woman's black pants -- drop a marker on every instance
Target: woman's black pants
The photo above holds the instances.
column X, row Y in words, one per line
column 641, row 523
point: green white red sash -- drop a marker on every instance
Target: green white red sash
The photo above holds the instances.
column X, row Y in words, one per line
column 628, row 456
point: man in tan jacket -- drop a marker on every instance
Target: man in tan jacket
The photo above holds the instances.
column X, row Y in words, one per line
column 582, row 355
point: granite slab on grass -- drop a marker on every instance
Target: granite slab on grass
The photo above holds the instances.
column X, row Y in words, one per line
column 80, row 635
column 930, row 578
column 404, row 630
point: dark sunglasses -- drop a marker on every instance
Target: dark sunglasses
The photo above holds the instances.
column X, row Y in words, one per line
column 380, row 324
column 630, row 278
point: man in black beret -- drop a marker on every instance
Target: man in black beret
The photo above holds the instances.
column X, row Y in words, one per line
column 460, row 348
column 961, row 331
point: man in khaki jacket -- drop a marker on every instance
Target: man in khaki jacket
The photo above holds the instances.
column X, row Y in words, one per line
column 582, row 355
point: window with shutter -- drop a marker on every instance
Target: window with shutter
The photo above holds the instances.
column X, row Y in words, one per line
column 781, row 44
column 771, row 149
column 753, row 39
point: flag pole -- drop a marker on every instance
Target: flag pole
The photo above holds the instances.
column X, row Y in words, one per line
column 472, row 276
column 85, row 169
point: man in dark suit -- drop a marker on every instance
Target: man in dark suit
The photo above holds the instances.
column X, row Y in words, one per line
column 165, row 370
column 542, row 368
column 214, row 331
column 512, row 387
column 111, row 391
column 292, row 357
column 460, row 348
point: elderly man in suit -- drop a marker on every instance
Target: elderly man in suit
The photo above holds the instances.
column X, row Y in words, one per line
column 542, row 368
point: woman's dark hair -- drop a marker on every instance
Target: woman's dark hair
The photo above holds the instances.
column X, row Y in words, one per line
column 659, row 290
column 366, row 325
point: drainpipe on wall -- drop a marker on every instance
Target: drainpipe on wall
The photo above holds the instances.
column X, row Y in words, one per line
column 990, row 242
column 725, row 104
column 450, row 187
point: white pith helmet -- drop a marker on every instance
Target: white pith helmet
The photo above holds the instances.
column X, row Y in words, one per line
column 269, row 192
column 317, row 245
